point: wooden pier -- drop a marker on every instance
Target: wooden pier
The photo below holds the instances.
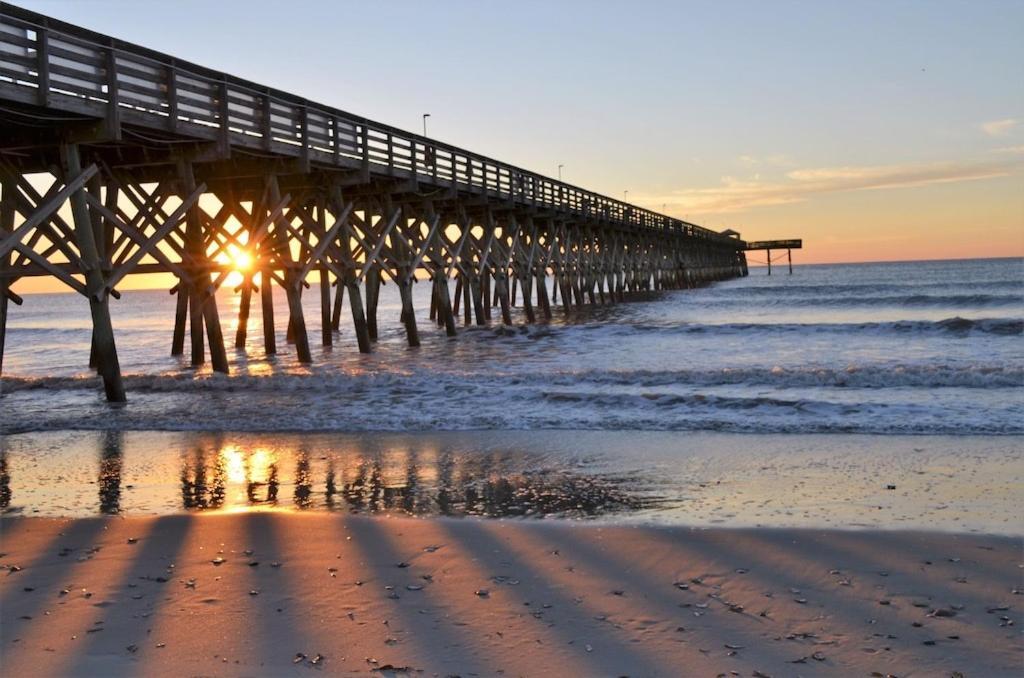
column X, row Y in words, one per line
column 768, row 245
column 162, row 166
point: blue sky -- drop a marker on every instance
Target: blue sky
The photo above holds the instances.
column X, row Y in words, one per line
column 803, row 117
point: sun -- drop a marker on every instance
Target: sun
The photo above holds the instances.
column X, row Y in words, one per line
column 241, row 260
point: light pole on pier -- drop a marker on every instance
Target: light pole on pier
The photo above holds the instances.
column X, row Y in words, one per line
column 560, row 172
column 425, row 116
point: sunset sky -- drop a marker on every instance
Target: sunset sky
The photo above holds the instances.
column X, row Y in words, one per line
column 873, row 130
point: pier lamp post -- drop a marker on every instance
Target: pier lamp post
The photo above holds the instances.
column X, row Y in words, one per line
column 425, row 116
column 560, row 172
column 625, row 196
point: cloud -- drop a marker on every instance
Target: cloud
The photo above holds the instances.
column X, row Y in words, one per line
column 735, row 195
column 777, row 160
column 998, row 128
column 1011, row 150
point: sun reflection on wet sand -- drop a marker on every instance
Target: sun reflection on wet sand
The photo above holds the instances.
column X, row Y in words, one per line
column 695, row 480
column 221, row 472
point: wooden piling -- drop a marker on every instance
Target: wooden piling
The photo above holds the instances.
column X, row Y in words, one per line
column 103, row 331
column 501, row 291
column 267, row 310
column 358, row 315
column 293, row 285
column 373, row 283
column 339, row 301
column 7, row 189
column 205, row 309
column 326, row 330
column 180, row 315
column 444, row 305
column 244, row 303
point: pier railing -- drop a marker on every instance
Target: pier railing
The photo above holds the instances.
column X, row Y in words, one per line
column 64, row 67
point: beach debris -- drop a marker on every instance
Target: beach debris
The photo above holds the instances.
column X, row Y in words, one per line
column 413, row 587
column 392, row 668
column 402, row 565
column 133, row 540
column 802, row 601
column 589, row 647
column 682, row 586
column 28, row 589
column 299, row 658
column 132, row 648
column 890, row 487
column 161, row 645
column 190, row 584
column 11, row 569
column 254, row 563
column 998, row 608
column 505, row 579
column 430, row 549
column 885, row 602
column 218, row 561
column 760, row 674
column 317, row 659
column 730, row 646
column 942, row 612
column 254, row 592
column 275, row 564
column 482, row 593
column 618, row 592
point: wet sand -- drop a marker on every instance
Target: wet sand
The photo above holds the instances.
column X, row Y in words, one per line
column 356, row 595
column 944, row 483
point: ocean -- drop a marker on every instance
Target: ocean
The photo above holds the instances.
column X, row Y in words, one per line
column 783, row 400
column 923, row 347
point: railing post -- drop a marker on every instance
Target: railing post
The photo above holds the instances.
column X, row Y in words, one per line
column 366, row 152
column 265, row 123
column 304, row 137
column 223, row 112
column 335, row 147
column 113, row 121
column 391, row 154
column 172, row 98
column 43, row 66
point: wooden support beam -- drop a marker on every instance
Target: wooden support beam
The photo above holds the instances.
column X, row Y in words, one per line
column 6, row 226
column 202, row 289
column 326, row 331
column 293, row 283
column 103, row 330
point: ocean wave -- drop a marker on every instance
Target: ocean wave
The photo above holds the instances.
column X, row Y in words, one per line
column 799, row 288
column 955, row 325
column 787, row 299
column 547, row 409
column 872, row 376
